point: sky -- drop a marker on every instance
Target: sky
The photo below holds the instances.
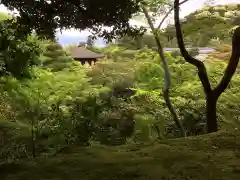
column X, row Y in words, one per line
column 73, row 36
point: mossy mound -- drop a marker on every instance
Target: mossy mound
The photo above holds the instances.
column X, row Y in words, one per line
column 209, row 157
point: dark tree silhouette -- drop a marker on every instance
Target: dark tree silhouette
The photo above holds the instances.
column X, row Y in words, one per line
column 212, row 94
column 90, row 41
column 46, row 16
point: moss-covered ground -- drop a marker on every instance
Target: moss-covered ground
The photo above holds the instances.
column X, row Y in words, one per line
column 208, row 157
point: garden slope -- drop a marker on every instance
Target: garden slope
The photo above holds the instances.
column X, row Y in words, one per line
column 208, row 157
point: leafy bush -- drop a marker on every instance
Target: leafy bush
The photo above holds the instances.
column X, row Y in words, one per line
column 18, row 51
column 31, row 99
column 55, row 58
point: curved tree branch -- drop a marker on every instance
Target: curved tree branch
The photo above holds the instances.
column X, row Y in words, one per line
column 232, row 65
column 168, row 13
column 202, row 72
column 167, row 76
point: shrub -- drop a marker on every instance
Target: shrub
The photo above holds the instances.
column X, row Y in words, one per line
column 18, row 51
column 55, row 58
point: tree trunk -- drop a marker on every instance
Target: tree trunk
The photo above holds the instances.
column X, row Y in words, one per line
column 33, row 139
column 167, row 75
column 212, row 95
column 211, row 113
column 157, row 130
column 173, row 112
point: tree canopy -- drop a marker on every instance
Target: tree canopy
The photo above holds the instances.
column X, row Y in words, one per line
column 18, row 51
column 46, row 16
column 210, row 22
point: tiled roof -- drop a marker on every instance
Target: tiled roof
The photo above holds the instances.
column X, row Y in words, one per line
column 83, row 53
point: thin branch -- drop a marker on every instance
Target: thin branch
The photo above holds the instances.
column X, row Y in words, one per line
column 168, row 13
column 232, row 65
column 160, row 50
column 179, row 35
column 167, row 76
column 202, row 72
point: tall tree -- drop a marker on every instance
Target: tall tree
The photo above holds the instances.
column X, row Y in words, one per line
column 212, row 94
column 167, row 76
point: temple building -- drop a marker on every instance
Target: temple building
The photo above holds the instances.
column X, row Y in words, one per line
column 84, row 55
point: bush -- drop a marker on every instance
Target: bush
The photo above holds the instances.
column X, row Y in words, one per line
column 55, row 58
column 18, row 51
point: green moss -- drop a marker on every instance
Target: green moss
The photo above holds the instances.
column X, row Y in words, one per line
column 209, row 157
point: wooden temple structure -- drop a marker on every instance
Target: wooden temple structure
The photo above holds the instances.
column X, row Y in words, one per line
column 84, row 55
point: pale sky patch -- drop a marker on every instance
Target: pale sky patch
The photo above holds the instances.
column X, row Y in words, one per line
column 73, row 32
column 4, row 9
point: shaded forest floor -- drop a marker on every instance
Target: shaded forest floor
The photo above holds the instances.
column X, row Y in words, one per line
column 208, row 157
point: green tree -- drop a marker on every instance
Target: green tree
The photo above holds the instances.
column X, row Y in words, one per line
column 146, row 7
column 138, row 42
column 55, row 58
column 212, row 94
column 205, row 24
column 18, row 51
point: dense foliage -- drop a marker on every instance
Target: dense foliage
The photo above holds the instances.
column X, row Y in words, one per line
column 55, row 58
column 205, row 25
column 18, row 51
column 202, row 28
column 117, row 101
column 46, row 16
